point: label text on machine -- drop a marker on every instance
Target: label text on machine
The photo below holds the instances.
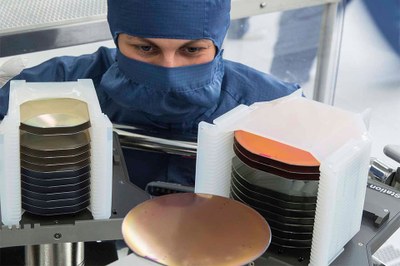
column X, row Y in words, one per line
column 384, row 190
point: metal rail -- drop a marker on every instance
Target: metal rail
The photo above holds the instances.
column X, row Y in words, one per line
column 137, row 138
column 248, row 8
column 328, row 53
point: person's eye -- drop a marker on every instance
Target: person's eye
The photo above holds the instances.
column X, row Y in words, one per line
column 191, row 50
column 146, row 50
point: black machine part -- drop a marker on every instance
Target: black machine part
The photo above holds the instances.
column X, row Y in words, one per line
column 381, row 218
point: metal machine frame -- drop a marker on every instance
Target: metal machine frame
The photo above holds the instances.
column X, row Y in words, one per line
column 380, row 220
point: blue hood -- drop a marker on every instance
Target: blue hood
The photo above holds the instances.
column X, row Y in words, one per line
column 171, row 19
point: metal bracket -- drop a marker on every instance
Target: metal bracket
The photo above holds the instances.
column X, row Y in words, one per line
column 378, row 214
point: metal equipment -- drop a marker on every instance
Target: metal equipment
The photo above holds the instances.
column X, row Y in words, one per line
column 381, row 219
column 63, row 235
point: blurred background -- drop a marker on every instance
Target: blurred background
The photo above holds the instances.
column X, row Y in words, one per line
column 285, row 44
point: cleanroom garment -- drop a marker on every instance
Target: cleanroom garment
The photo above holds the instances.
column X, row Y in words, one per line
column 239, row 85
column 172, row 100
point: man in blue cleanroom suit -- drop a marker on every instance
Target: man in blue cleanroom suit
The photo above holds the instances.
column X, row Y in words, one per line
column 172, row 97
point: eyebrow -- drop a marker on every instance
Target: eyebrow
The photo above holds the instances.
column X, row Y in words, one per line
column 133, row 38
column 190, row 42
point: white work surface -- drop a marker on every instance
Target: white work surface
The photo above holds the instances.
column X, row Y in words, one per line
column 133, row 259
